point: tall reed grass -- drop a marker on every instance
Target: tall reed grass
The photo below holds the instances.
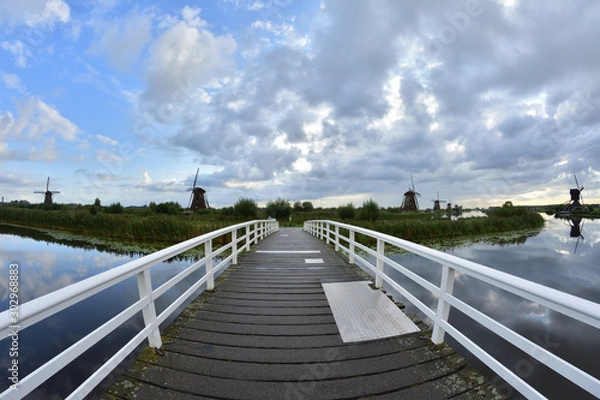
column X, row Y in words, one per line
column 156, row 228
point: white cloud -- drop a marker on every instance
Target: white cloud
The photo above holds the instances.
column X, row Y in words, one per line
column 12, row 81
column 35, row 13
column 146, row 180
column 45, row 151
column 182, row 59
column 110, row 159
column 107, row 140
column 36, row 119
column 123, row 40
column 19, row 51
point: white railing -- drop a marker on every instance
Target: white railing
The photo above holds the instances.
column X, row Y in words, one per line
column 45, row 306
column 569, row 305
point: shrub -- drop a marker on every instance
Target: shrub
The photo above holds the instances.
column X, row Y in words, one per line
column 169, row 208
column 114, row 208
column 506, row 212
column 307, row 206
column 279, row 209
column 245, row 207
column 369, row 211
column 347, row 211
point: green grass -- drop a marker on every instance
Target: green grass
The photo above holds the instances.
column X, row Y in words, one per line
column 139, row 227
column 145, row 226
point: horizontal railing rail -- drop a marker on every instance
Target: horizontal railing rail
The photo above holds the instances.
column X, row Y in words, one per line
column 45, row 306
column 577, row 308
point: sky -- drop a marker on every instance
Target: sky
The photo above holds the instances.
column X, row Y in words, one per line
column 328, row 101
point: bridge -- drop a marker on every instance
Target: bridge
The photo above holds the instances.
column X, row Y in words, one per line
column 292, row 316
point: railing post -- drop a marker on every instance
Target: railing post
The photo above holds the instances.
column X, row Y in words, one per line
column 443, row 308
column 149, row 311
column 210, row 282
column 234, row 249
column 380, row 254
column 327, row 231
column 337, row 238
column 247, row 244
column 350, row 246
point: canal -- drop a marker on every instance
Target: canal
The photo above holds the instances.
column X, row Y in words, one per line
column 565, row 255
column 560, row 256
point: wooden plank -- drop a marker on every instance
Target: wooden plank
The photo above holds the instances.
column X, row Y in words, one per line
column 267, row 332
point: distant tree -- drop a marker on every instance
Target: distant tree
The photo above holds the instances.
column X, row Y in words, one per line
column 346, row 212
column 307, row 206
column 114, row 208
column 298, row 207
column 246, row 208
column 169, row 207
column 227, row 211
column 96, row 207
column 369, row 211
column 279, row 209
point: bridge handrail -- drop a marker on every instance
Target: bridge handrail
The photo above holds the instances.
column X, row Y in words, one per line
column 47, row 305
column 564, row 303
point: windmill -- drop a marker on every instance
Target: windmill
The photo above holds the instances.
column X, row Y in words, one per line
column 575, row 203
column 410, row 202
column 198, row 199
column 436, row 203
column 47, row 193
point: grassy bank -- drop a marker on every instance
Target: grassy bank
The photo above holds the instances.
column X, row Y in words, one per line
column 142, row 226
column 128, row 227
column 419, row 230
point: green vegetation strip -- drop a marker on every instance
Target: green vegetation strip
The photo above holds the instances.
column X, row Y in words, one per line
column 127, row 227
column 146, row 226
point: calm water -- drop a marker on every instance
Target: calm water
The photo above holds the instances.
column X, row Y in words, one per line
column 552, row 258
column 45, row 267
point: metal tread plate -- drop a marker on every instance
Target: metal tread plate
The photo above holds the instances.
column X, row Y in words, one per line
column 362, row 313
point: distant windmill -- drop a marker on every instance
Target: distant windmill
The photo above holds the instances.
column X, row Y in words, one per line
column 575, row 203
column 47, row 193
column 410, row 202
column 449, row 206
column 436, row 203
column 198, row 199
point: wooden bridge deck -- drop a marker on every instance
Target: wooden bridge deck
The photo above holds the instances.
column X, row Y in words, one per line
column 267, row 332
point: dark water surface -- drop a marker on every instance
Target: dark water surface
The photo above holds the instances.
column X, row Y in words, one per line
column 45, row 265
column 551, row 257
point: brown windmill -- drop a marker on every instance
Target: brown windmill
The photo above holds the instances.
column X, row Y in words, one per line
column 436, row 203
column 576, row 202
column 198, row 198
column 47, row 193
column 410, row 202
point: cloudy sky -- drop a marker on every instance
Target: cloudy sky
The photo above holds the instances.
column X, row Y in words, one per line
column 329, row 101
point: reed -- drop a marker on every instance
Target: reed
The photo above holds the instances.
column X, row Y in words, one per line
column 129, row 227
column 418, row 230
column 150, row 228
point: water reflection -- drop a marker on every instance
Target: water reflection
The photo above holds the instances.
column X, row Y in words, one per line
column 45, row 266
column 547, row 258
